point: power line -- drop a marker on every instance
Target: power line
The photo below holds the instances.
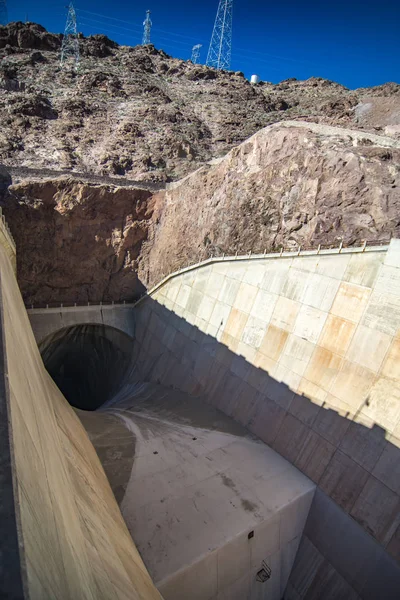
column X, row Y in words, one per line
column 134, row 25
column 83, row 19
column 245, row 53
column 168, row 38
column 171, row 42
column 147, row 29
column 86, row 21
column 220, row 50
column 3, row 12
column 196, row 39
column 70, row 43
column 130, row 41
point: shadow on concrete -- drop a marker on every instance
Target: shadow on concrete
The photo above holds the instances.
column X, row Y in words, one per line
column 115, row 446
column 354, row 466
column 355, row 536
column 88, row 362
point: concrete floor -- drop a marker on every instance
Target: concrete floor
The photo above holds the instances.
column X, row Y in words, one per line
column 205, row 501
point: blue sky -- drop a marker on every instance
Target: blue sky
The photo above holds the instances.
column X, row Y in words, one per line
column 352, row 42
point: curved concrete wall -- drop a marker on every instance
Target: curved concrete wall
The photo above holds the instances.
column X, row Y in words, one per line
column 7, row 241
column 73, row 541
column 304, row 352
column 47, row 321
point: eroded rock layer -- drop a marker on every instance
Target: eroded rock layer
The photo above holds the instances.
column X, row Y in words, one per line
column 78, row 242
column 291, row 184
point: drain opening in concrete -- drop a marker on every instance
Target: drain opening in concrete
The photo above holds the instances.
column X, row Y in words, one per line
column 264, row 573
column 89, row 363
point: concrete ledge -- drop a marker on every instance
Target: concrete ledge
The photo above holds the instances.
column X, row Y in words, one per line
column 266, row 256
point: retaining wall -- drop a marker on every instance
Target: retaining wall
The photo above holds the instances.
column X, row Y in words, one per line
column 46, row 321
column 7, row 241
column 63, row 536
column 304, row 351
column 20, row 173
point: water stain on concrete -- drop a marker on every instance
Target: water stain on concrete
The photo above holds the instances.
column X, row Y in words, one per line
column 248, row 505
column 228, row 482
column 115, row 447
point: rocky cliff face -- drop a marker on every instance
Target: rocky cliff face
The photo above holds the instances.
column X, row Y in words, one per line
column 290, row 184
column 78, row 242
column 137, row 112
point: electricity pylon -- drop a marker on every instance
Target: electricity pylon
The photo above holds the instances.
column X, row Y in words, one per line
column 196, row 53
column 147, row 28
column 220, row 50
column 3, row 12
column 70, row 43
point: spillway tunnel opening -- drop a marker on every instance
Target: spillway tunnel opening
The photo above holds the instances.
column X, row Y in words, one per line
column 89, row 363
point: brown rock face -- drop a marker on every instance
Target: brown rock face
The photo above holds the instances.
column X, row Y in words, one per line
column 78, row 242
column 139, row 113
column 28, row 35
column 290, row 184
column 287, row 185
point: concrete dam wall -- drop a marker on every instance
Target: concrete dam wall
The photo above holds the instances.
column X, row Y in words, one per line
column 300, row 351
column 207, row 503
column 62, row 533
column 303, row 351
column 215, row 512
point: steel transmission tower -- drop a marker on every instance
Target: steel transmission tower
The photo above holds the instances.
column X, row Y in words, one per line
column 196, row 53
column 220, row 50
column 3, row 12
column 70, row 43
column 147, row 28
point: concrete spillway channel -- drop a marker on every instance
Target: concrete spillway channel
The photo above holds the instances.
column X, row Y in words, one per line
column 205, row 501
column 247, row 416
column 63, row 536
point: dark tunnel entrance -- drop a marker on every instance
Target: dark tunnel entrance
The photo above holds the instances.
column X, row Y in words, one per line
column 89, row 363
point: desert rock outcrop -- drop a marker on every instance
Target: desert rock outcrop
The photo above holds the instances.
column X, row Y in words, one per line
column 139, row 113
column 290, row 184
column 78, row 242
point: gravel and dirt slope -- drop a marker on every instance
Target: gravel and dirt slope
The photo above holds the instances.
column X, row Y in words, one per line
column 139, row 113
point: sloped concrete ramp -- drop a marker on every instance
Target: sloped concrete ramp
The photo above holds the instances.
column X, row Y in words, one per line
column 63, row 534
column 214, row 509
column 206, row 502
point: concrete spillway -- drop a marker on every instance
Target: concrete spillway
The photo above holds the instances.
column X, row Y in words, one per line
column 63, row 536
column 241, row 374
column 302, row 351
column 210, row 505
column 205, row 501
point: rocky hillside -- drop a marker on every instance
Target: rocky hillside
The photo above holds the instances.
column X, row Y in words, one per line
column 78, row 242
column 139, row 113
column 239, row 184
column 290, row 184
